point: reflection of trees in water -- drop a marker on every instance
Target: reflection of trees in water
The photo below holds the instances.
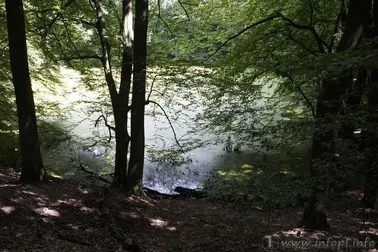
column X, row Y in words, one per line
column 166, row 177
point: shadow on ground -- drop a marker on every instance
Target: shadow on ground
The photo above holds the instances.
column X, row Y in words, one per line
column 66, row 215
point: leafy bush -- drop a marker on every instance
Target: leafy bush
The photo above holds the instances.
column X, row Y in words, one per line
column 270, row 180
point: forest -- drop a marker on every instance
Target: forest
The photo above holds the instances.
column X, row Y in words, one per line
column 189, row 125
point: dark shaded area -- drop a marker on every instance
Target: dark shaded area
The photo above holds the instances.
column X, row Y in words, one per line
column 68, row 215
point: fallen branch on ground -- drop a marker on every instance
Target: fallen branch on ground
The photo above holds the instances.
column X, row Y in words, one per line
column 95, row 175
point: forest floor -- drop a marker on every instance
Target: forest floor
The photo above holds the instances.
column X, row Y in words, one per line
column 68, row 215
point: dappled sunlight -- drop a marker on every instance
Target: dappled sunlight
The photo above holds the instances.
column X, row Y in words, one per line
column 140, row 200
column 45, row 211
column 68, row 202
column 367, row 223
column 303, row 233
column 29, row 193
column 7, row 209
column 369, row 231
column 87, row 209
column 8, row 185
column 83, row 190
column 159, row 223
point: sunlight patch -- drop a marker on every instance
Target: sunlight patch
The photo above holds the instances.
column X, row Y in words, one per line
column 7, row 209
column 8, row 185
column 47, row 212
column 29, row 193
column 158, row 223
column 372, row 231
column 161, row 224
column 83, row 191
column 70, row 202
column 87, row 209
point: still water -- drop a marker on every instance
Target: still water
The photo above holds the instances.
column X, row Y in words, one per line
column 181, row 105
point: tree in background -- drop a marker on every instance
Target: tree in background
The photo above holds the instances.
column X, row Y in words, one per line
column 31, row 160
column 87, row 34
column 135, row 169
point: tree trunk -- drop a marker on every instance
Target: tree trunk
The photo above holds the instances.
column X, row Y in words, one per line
column 118, row 103
column 371, row 173
column 136, row 163
column 354, row 92
column 31, row 159
column 124, row 89
column 328, row 107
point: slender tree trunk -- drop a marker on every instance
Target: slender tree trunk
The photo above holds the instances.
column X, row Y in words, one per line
column 136, row 163
column 125, row 84
column 31, row 160
column 328, row 107
column 118, row 104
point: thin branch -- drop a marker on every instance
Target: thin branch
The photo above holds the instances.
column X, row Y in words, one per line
column 85, row 22
column 319, row 41
column 191, row 4
column 169, row 121
column 312, row 12
column 151, row 88
column 339, row 20
column 183, row 7
column 301, row 45
column 58, row 16
column 95, row 175
column 165, row 23
column 82, row 57
column 69, row 36
column 110, row 128
column 309, row 103
column 241, row 32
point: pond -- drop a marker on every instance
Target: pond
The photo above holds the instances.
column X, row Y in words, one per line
column 181, row 105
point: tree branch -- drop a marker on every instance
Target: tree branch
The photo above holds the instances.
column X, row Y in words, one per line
column 93, row 174
column 319, row 41
column 165, row 23
column 169, row 121
column 59, row 15
column 82, row 57
column 151, row 88
column 308, row 102
column 301, row 45
column 241, row 32
column 110, row 128
column 340, row 18
column 183, row 7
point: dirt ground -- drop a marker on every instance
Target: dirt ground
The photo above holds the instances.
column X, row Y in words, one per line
column 68, row 215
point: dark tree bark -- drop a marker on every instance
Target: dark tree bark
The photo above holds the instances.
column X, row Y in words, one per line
column 371, row 170
column 123, row 139
column 119, row 100
column 31, row 159
column 354, row 92
column 136, row 163
column 328, row 106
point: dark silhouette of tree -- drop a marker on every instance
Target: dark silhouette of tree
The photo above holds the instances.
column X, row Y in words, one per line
column 136, row 163
column 328, row 106
column 31, row 160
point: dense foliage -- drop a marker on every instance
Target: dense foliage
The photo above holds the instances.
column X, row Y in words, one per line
column 265, row 73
